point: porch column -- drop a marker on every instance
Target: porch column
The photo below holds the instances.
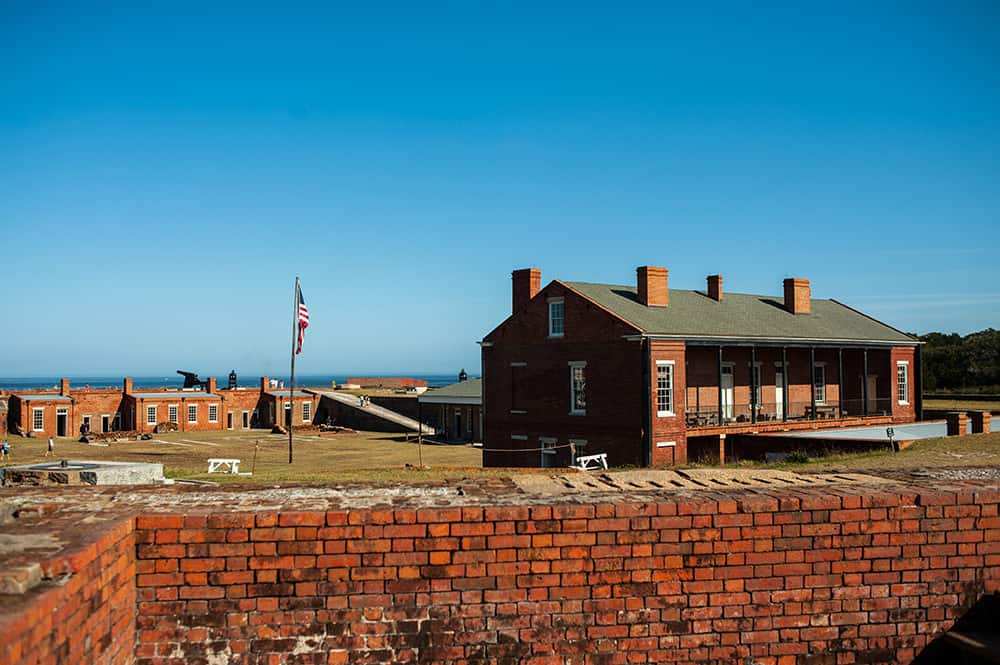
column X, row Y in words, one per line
column 864, row 385
column 840, row 381
column 753, row 384
column 812, row 381
column 720, row 385
column 784, row 388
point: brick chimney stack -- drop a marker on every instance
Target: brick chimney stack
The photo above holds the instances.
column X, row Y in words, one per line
column 265, row 383
column 715, row 287
column 64, row 386
column 127, row 386
column 527, row 282
column 798, row 296
column 210, row 388
column 651, row 282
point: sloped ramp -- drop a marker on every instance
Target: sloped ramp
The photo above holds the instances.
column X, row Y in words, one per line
column 375, row 410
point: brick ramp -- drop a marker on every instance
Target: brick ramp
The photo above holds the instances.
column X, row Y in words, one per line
column 376, row 410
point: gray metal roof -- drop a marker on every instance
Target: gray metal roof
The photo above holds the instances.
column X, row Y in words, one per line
column 46, row 396
column 738, row 315
column 284, row 393
column 468, row 389
column 174, row 395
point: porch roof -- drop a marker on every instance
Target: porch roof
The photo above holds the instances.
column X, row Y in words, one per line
column 741, row 316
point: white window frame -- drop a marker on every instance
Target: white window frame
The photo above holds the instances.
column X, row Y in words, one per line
column 562, row 317
column 150, row 411
column 192, row 408
column 212, row 407
column 306, row 411
column 172, row 414
column 669, row 411
column 903, row 396
column 38, row 414
column 820, row 388
column 573, row 366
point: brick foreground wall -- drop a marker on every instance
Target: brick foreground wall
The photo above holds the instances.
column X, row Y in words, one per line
column 86, row 614
column 807, row 577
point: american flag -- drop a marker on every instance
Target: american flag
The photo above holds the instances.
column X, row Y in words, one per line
column 303, row 320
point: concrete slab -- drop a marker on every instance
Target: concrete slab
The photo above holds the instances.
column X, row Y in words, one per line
column 82, row 472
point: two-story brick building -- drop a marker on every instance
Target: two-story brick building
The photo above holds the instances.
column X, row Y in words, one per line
column 644, row 373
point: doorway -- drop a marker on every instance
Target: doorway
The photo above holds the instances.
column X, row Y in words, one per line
column 458, row 424
column 246, row 420
column 779, row 393
column 727, row 393
column 104, row 423
column 61, row 418
column 872, row 394
column 229, row 420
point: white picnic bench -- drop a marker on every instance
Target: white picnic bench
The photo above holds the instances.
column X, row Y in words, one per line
column 219, row 464
column 591, row 462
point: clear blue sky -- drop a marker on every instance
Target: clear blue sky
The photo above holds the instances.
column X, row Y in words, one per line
column 167, row 169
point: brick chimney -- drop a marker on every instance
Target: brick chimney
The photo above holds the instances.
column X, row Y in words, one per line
column 64, row 386
column 651, row 282
column 797, row 295
column 527, row 282
column 715, row 287
column 210, row 388
column 127, row 386
column 265, row 383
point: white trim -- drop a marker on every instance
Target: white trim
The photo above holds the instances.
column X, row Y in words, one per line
column 669, row 413
column 666, row 444
column 573, row 365
column 210, row 418
column 904, row 401
column 150, row 409
column 549, row 303
column 822, row 367
column 34, row 411
column 176, row 419
column 307, row 417
column 195, row 407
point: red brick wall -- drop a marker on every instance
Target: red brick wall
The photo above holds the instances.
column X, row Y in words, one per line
column 614, row 421
column 86, row 617
column 795, row 577
column 668, row 429
column 902, row 413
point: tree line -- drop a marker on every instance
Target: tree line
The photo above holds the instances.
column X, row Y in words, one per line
column 955, row 363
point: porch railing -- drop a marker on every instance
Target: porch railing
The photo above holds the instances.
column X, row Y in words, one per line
column 769, row 412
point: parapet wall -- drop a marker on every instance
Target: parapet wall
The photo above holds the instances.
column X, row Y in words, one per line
column 809, row 575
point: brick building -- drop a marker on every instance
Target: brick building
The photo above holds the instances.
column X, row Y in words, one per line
column 68, row 412
column 455, row 410
column 653, row 376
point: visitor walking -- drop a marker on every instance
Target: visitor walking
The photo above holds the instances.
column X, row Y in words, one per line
column 4, row 449
column 52, row 448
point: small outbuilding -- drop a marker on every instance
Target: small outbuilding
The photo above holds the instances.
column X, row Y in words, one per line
column 457, row 409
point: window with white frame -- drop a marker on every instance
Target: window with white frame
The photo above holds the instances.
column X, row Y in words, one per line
column 150, row 415
column 664, row 388
column 192, row 413
column 756, row 384
column 556, row 317
column 306, row 411
column 819, row 381
column 38, row 419
column 172, row 413
column 578, row 388
column 903, row 381
column 213, row 413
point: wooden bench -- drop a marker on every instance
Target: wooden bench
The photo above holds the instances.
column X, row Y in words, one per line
column 591, row 462
column 218, row 464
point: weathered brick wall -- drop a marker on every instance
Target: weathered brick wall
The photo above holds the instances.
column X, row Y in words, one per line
column 811, row 576
column 83, row 613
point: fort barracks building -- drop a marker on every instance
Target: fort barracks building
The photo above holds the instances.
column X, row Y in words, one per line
column 652, row 375
column 65, row 413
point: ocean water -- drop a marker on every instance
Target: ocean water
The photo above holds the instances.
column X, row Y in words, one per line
column 249, row 380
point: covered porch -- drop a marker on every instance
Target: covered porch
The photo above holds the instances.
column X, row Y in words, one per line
column 745, row 387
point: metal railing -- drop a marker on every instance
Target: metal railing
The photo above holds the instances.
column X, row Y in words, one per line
column 769, row 412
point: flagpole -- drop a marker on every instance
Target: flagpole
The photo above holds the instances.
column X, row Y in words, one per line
column 291, row 391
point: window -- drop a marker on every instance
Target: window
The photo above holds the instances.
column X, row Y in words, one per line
column 213, row 413
column 38, row 419
column 756, row 385
column 192, row 413
column 517, row 385
column 548, row 451
column 86, row 422
column 664, row 388
column 306, row 411
column 903, row 381
column 578, row 388
column 819, row 381
column 172, row 413
column 246, row 420
column 150, row 415
column 556, row 317
column 577, row 447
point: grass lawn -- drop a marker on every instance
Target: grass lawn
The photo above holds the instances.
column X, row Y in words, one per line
column 962, row 405
column 374, row 456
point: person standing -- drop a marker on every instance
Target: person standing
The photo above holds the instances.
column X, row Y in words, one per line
column 52, row 447
column 4, row 449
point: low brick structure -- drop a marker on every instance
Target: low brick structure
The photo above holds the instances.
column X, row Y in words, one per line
column 487, row 571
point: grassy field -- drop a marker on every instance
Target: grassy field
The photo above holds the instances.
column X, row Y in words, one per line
column 373, row 456
column 963, row 405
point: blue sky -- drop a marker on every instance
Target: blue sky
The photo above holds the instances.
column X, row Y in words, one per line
column 167, row 169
